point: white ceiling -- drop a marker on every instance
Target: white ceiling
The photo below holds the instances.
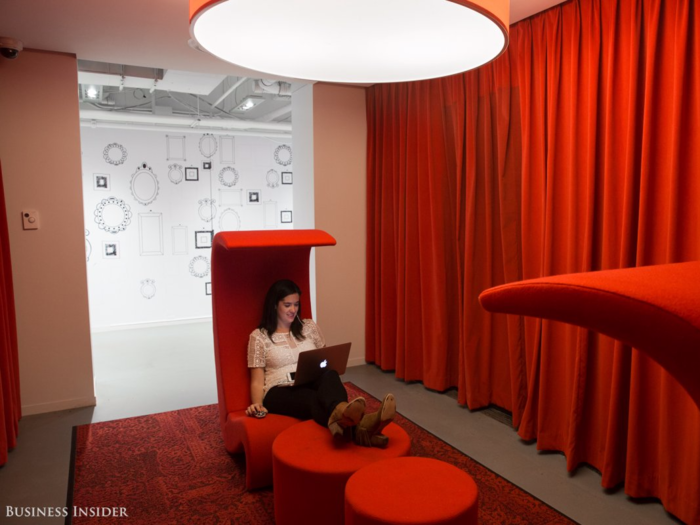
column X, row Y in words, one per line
column 149, row 33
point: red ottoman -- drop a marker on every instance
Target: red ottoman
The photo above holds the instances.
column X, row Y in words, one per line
column 309, row 471
column 410, row 491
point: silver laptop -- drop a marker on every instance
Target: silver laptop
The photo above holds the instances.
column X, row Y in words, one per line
column 312, row 363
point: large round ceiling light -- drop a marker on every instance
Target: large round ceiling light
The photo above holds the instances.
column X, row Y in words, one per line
column 363, row 41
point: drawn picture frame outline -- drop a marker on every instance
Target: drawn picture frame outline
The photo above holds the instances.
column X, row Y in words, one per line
column 223, row 219
column 227, row 149
column 101, row 182
column 176, row 173
column 175, row 148
column 199, row 266
column 111, row 250
column 140, row 194
column 270, row 214
column 120, row 152
column 179, row 237
column 208, row 145
column 254, row 197
column 207, row 209
column 203, row 239
column 230, row 198
column 283, row 154
column 151, row 234
column 272, row 178
column 148, row 288
column 225, row 180
column 116, row 226
column 88, row 246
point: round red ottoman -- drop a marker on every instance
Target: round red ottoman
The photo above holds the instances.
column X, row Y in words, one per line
column 310, row 469
column 410, row 491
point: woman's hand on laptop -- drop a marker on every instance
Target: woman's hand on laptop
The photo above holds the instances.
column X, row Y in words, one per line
column 254, row 409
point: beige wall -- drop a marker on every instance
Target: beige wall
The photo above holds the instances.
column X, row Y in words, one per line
column 40, row 155
column 340, row 182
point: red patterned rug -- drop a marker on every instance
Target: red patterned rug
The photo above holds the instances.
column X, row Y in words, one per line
column 172, row 468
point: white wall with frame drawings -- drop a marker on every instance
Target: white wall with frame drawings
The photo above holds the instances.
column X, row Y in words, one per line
column 151, row 207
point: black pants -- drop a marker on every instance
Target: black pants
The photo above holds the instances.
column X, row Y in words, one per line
column 311, row 401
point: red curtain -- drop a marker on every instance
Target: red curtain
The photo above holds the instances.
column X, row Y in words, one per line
column 10, row 407
column 576, row 150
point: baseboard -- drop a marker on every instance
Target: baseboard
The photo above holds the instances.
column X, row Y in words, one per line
column 155, row 324
column 56, row 406
column 357, row 361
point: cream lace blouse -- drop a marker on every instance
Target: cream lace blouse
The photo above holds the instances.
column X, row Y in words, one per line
column 279, row 356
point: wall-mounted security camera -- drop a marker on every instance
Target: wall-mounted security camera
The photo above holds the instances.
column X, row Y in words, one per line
column 10, row 47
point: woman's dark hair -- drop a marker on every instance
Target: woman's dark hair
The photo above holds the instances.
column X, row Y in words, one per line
column 275, row 294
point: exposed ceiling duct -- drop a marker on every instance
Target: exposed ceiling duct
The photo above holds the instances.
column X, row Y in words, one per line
column 113, row 119
column 274, row 87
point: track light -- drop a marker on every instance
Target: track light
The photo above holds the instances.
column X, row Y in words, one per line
column 90, row 92
column 249, row 103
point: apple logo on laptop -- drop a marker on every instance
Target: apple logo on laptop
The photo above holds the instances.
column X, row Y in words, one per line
column 324, row 363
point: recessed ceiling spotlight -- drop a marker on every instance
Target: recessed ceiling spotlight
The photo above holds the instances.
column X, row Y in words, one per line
column 363, row 41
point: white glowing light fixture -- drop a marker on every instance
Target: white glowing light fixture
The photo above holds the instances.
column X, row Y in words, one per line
column 249, row 103
column 91, row 92
column 353, row 41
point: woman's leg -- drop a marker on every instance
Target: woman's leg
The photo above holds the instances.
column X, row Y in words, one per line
column 329, row 392
column 291, row 401
column 313, row 401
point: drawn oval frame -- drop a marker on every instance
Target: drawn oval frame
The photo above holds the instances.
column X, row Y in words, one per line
column 226, row 212
column 207, row 138
column 88, row 246
column 144, row 171
column 203, row 205
column 146, row 286
column 272, row 178
column 176, row 169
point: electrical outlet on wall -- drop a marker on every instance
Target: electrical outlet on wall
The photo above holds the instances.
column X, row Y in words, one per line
column 30, row 220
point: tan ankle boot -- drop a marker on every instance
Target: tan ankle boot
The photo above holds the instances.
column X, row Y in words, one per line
column 368, row 431
column 346, row 415
column 379, row 441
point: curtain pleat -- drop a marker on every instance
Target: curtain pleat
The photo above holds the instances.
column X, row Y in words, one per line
column 10, row 406
column 574, row 151
column 414, row 252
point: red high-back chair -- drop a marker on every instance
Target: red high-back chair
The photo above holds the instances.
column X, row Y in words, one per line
column 244, row 265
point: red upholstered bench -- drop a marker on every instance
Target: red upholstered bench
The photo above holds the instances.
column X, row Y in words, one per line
column 411, row 491
column 310, row 469
column 655, row 309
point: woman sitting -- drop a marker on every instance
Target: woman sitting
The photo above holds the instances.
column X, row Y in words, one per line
column 273, row 351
